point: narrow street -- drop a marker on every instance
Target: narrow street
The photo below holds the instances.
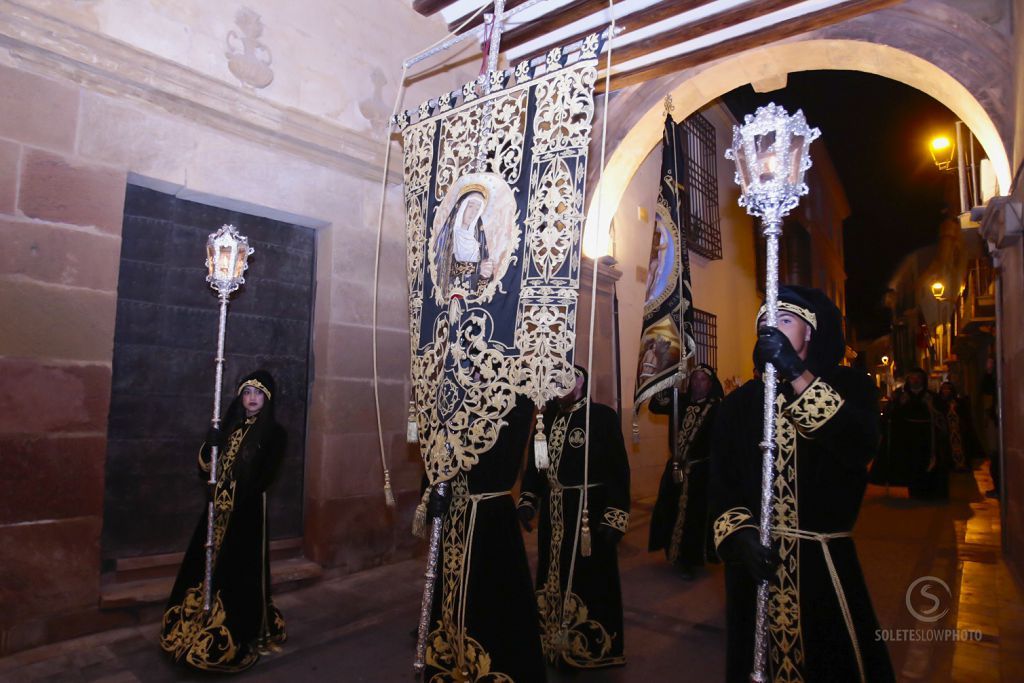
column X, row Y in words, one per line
column 358, row 628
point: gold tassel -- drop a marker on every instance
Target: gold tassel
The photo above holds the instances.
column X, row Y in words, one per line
column 419, row 519
column 585, row 548
column 389, row 495
column 636, row 431
column 411, row 430
column 540, row 446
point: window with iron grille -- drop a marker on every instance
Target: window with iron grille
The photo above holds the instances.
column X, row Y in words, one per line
column 703, row 234
column 705, row 335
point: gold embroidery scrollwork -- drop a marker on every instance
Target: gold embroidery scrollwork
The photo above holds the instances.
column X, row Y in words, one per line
column 784, row 594
column 814, row 407
column 202, row 639
column 565, row 110
column 617, row 519
column 731, row 521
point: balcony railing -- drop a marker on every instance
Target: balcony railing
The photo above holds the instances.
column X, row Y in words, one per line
column 976, row 307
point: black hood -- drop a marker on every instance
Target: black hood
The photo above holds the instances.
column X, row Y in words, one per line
column 827, row 345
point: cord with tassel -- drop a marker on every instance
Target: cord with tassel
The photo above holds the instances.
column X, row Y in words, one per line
column 585, row 545
column 389, row 495
column 540, row 445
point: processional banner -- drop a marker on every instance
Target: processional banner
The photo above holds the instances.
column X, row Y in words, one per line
column 666, row 337
column 494, row 187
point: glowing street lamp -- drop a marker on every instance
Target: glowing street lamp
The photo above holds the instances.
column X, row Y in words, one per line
column 938, row 289
column 942, row 149
column 771, row 151
column 227, row 257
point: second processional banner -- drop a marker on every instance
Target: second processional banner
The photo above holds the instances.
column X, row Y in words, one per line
column 666, row 338
column 494, row 188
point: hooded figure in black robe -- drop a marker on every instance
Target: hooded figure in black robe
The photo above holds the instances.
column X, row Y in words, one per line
column 962, row 444
column 579, row 597
column 917, row 438
column 821, row 624
column 679, row 523
column 484, row 618
column 243, row 621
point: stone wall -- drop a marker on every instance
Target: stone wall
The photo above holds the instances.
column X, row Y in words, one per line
column 92, row 101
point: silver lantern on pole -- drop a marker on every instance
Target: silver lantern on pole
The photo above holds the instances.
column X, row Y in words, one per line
column 771, row 152
column 227, row 255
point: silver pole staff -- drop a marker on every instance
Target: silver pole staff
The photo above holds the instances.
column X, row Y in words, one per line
column 227, row 253
column 427, row 603
column 771, row 151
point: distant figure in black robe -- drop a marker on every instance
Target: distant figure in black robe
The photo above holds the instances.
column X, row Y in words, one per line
column 962, row 442
column 917, row 438
column 243, row 622
column 484, row 619
column 679, row 523
column 821, row 623
column 579, row 598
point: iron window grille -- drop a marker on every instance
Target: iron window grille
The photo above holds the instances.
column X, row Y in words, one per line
column 700, row 182
column 705, row 335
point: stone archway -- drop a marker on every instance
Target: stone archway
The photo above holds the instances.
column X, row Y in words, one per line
column 925, row 44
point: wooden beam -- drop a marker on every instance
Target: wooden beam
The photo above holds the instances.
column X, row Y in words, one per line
column 703, row 26
column 479, row 19
column 633, row 21
column 552, row 21
column 428, row 7
column 770, row 34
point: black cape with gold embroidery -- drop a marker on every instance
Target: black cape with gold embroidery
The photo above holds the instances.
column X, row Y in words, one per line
column 679, row 521
column 243, row 617
column 593, row 610
column 824, row 452
column 484, row 621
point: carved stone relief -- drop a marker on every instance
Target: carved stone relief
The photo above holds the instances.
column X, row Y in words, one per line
column 249, row 59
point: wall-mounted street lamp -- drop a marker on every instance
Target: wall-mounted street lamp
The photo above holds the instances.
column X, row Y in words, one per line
column 938, row 289
column 942, row 149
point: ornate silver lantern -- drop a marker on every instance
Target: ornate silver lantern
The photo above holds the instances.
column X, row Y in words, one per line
column 227, row 259
column 771, row 152
column 227, row 256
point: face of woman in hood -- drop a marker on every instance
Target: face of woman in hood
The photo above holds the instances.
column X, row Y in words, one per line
column 253, row 400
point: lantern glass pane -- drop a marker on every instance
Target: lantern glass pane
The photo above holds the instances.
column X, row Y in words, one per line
column 240, row 262
column 796, row 157
column 224, row 259
column 743, row 169
column 211, row 258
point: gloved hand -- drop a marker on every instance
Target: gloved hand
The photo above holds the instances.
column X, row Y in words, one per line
column 526, row 514
column 773, row 347
column 759, row 561
column 213, row 436
column 437, row 504
column 611, row 536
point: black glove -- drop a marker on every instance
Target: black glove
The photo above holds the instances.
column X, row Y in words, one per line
column 773, row 347
column 213, row 436
column 611, row 536
column 759, row 561
column 437, row 504
column 526, row 514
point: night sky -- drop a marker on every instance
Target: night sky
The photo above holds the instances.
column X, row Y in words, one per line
column 877, row 131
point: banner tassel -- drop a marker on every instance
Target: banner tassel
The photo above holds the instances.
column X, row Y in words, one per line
column 419, row 518
column 585, row 546
column 636, row 430
column 389, row 495
column 540, row 445
column 411, row 429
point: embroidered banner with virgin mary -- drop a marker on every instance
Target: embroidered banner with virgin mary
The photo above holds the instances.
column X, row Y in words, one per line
column 494, row 185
